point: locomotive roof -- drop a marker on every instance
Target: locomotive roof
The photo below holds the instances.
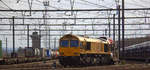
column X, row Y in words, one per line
column 85, row 38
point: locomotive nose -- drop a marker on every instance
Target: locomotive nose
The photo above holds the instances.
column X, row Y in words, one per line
column 69, row 52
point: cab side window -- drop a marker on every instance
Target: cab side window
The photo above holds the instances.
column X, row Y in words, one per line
column 88, row 45
column 106, row 48
column 81, row 45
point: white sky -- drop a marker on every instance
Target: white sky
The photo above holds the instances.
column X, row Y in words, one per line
column 65, row 4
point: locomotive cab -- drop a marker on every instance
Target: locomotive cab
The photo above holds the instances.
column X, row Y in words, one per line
column 69, row 46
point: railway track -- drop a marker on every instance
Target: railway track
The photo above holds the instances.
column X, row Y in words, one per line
column 7, row 61
column 130, row 65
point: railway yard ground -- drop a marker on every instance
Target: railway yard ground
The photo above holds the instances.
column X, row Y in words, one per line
column 128, row 65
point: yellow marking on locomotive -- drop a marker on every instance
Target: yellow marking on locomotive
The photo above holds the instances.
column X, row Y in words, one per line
column 96, row 46
column 69, row 51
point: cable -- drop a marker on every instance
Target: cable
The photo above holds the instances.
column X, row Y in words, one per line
column 3, row 7
column 49, row 5
column 95, row 4
column 6, row 5
column 81, row 3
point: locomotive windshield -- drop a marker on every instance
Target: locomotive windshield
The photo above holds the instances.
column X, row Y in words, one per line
column 74, row 43
column 64, row 43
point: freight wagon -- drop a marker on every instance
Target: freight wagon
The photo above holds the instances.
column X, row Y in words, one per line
column 41, row 52
column 31, row 55
column 32, row 52
column 139, row 51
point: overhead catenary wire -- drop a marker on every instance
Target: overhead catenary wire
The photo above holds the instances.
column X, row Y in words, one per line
column 96, row 35
column 87, row 18
column 96, row 24
column 6, row 5
column 3, row 7
column 49, row 5
column 58, row 10
column 96, row 4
